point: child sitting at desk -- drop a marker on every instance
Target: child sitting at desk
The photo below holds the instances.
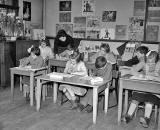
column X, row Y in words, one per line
column 150, row 67
column 104, row 70
column 45, row 50
column 35, row 61
column 74, row 66
column 104, row 51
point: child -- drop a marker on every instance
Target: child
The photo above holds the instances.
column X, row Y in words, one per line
column 151, row 66
column 103, row 69
column 74, row 66
column 66, row 54
column 105, row 51
column 35, row 61
column 46, row 51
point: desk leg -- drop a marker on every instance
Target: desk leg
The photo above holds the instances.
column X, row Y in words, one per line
column 126, row 101
column 31, row 88
column 38, row 95
column 12, row 85
column 158, row 120
column 120, row 102
column 106, row 99
column 55, row 87
column 21, row 83
column 95, row 100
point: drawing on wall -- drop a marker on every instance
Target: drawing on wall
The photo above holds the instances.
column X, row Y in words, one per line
column 154, row 3
column 26, row 11
column 121, row 32
column 65, row 17
column 136, row 28
column 79, row 28
column 93, row 22
column 152, row 33
column 88, row 7
column 107, row 33
column 67, row 27
column 109, row 16
column 93, row 34
column 139, row 8
column 65, row 5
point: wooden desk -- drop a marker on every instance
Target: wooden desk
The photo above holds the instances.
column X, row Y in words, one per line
column 139, row 85
column 55, row 85
column 26, row 72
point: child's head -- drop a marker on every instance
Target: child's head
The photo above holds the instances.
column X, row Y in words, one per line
column 100, row 62
column 69, row 47
column 141, row 51
column 76, row 57
column 44, row 43
column 104, row 48
column 152, row 57
column 35, row 51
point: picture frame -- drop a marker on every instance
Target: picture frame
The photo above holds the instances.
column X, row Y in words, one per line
column 65, row 5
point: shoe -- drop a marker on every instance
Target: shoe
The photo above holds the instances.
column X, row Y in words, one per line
column 80, row 107
column 88, row 108
column 127, row 118
column 144, row 121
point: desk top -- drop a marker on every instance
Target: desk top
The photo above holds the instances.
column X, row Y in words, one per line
column 72, row 79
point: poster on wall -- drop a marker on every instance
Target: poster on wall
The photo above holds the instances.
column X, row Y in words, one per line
column 121, row 32
column 65, row 17
column 26, row 10
column 154, row 3
column 67, row 27
column 79, row 27
column 107, row 33
column 152, row 33
column 109, row 16
column 136, row 28
column 65, row 5
column 88, row 7
column 139, row 8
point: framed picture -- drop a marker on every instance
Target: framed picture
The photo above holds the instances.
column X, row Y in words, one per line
column 109, row 16
column 65, row 17
column 64, row 5
column 26, row 11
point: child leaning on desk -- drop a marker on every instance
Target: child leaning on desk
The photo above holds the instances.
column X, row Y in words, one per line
column 150, row 67
column 75, row 66
column 35, row 61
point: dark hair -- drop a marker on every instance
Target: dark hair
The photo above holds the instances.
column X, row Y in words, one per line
column 46, row 41
column 61, row 33
column 77, row 55
column 36, row 51
column 153, row 54
column 106, row 47
column 100, row 62
column 142, row 49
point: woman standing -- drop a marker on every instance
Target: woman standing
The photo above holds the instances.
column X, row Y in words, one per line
column 62, row 40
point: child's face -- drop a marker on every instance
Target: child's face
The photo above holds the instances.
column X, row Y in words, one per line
column 139, row 55
column 33, row 55
column 102, row 50
column 43, row 44
column 73, row 61
column 63, row 38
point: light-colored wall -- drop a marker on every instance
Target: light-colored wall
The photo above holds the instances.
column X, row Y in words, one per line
column 124, row 10
column 36, row 11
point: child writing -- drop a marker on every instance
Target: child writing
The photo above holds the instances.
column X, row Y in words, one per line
column 46, row 51
column 150, row 67
column 35, row 61
column 102, row 69
column 74, row 66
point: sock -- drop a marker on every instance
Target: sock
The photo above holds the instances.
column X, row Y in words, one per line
column 132, row 108
column 148, row 110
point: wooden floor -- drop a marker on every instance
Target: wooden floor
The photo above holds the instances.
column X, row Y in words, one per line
column 18, row 115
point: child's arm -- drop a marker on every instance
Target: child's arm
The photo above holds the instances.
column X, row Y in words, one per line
column 24, row 61
column 135, row 69
column 107, row 75
column 67, row 70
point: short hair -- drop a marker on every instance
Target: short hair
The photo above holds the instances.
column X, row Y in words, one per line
column 77, row 55
column 35, row 50
column 45, row 41
column 100, row 62
column 142, row 50
column 106, row 47
column 153, row 54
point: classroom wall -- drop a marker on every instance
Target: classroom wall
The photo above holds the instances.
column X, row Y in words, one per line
column 124, row 10
column 36, row 11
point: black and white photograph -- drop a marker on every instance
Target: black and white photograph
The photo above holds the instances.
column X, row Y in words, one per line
column 109, row 16
column 65, row 5
column 26, row 11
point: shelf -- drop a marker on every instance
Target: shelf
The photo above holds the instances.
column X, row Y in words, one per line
column 9, row 7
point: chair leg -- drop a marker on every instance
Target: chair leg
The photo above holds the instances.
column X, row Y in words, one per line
column 156, row 113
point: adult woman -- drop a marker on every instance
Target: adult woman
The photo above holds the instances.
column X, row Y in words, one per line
column 62, row 40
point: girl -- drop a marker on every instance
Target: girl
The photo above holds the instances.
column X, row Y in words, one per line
column 150, row 67
column 35, row 61
column 74, row 66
